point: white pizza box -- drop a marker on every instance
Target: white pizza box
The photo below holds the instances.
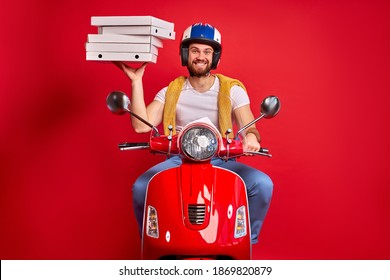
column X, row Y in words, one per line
column 130, row 20
column 119, row 38
column 127, row 56
column 121, row 47
column 138, row 30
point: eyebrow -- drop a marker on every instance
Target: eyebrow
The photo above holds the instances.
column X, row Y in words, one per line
column 209, row 48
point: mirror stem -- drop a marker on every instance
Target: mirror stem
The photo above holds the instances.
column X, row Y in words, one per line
column 145, row 122
column 249, row 124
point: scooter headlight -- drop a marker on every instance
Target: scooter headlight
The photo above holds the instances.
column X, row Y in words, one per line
column 152, row 222
column 240, row 226
column 199, row 143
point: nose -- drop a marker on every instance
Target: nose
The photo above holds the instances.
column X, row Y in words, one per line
column 202, row 56
column 199, row 54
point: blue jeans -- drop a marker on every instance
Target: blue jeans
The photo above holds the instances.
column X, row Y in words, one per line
column 259, row 190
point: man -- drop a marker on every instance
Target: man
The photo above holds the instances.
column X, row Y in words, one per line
column 201, row 94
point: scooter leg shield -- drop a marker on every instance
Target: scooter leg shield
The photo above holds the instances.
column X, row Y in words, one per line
column 191, row 211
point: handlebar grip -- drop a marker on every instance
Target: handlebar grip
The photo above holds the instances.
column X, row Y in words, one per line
column 133, row 146
column 264, row 150
column 261, row 152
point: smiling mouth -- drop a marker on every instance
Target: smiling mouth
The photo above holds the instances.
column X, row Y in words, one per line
column 200, row 63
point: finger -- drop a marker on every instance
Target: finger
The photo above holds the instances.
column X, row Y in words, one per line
column 119, row 64
column 144, row 65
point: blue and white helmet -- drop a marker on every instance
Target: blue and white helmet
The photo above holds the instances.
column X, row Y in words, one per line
column 204, row 34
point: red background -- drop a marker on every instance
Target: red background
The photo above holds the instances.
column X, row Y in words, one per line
column 65, row 188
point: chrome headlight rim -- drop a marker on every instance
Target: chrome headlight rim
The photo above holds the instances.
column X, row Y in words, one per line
column 210, row 140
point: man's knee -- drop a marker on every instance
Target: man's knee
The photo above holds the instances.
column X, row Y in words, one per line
column 263, row 188
column 266, row 185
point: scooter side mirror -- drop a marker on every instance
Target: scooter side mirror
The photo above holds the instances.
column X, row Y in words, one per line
column 270, row 107
column 118, row 102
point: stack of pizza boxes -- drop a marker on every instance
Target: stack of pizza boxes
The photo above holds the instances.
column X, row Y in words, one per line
column 128, row 38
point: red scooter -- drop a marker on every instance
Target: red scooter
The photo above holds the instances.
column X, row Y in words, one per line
column 195, row 210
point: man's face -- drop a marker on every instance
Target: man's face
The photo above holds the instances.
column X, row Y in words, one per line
column 200, row 57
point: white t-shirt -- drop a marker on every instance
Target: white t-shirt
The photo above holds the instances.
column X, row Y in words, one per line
column 193, row 105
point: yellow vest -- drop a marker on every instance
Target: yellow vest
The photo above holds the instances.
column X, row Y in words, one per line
column 224, row 103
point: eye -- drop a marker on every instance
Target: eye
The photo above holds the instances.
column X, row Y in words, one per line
column 195, row 51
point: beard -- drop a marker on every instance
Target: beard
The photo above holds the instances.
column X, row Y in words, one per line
column 194, row 72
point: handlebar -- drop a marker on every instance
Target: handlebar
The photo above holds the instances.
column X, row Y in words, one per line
column 261, row 152
column 264, row 150
column 133, row 146
column 126, row 146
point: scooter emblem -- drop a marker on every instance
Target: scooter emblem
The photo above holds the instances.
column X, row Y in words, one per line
column 168, row 236
column 230, row 211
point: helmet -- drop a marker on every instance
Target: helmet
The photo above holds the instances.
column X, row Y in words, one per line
column 203, row 34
